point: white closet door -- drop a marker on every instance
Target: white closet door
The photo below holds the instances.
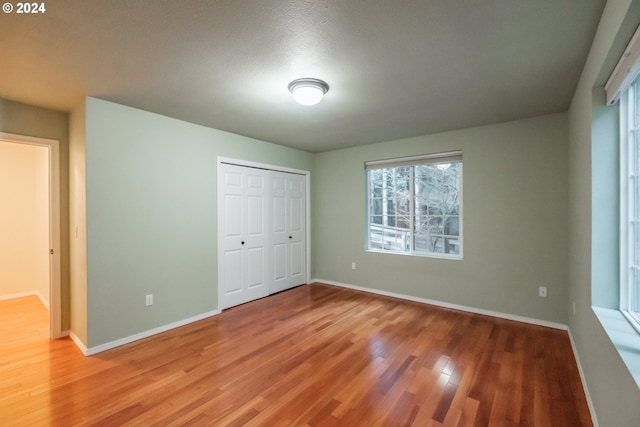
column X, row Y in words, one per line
column 243, row 234
column 262, row 232
column 297, row 230
column 287, row 231
column 279, row 277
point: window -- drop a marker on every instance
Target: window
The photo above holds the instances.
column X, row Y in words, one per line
column 630, row 203
column 415, row 205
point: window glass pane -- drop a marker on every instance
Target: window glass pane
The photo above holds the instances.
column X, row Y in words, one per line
column 634, row 135
column 417, row 205
column 452, row 226
column 634, row 295
column 376, row 219
column 404, row 208
column 634, row 256
column 635, row 103
column 452, row 245
column 375, row 183
column 437, row 207
column 375, row 207
column 389, row 208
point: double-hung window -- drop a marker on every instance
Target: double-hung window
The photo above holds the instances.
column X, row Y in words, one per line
column 624, row 85
column 630, row 203
column 415, row 205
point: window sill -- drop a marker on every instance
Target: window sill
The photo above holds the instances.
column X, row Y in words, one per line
column 623, row 336
column 417, row 254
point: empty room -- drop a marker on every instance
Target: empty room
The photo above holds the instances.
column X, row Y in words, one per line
column 320, row 213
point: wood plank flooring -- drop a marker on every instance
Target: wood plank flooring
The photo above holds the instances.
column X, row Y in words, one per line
column 316, row 355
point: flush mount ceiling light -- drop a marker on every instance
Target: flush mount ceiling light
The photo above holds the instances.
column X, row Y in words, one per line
column 308, row 91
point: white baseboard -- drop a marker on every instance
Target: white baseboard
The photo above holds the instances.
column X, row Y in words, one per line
column 27, row 294
column 449, row 305
column 78, row 342
column 126, row 340
column 43, row 300
column 583, row 380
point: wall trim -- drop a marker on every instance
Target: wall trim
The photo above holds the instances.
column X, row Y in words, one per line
column 583, row 379
column 43, row 300
column 135, row 337
column 26, row 294
column 78, row 342
column 506, row 316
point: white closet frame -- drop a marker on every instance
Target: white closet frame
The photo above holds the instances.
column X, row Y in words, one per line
column 249, row 164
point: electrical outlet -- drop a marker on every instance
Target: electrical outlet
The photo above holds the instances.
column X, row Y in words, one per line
column 149, row 300
column 353, row 265
column 542, row 291
column 574, row 308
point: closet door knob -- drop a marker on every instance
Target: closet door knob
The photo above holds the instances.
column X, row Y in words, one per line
column 242, row 243
column 290, row 237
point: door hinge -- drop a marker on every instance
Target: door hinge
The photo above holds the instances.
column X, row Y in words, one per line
column 51, row 251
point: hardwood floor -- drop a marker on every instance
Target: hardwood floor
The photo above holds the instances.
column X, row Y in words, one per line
column 316, row 355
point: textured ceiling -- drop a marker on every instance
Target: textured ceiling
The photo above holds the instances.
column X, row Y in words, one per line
column 396, row 68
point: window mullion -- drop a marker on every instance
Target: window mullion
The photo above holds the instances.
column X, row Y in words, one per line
column 628, row 205
column 632, row 209
column 631, row 213
column 411, row 208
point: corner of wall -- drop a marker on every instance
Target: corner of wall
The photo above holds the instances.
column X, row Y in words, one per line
column 78, row 223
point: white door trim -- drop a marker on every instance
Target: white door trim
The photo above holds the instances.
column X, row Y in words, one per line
column 250, row 164
column 53, row 146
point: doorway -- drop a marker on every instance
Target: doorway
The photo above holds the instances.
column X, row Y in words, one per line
column 35, row 230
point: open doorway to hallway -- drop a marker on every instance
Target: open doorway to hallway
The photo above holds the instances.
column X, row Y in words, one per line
column 29, row 225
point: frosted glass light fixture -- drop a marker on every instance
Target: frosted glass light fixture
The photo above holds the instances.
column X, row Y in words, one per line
column 308, row 91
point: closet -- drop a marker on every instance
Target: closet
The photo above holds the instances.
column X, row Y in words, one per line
column 262, row 232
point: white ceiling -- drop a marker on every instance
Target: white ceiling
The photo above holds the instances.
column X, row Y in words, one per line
column 396, row 68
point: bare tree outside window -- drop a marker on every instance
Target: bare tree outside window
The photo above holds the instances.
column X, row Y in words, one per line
column 416, row 208
column 437, row 208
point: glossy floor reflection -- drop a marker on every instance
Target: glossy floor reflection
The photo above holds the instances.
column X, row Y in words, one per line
column 315, row 355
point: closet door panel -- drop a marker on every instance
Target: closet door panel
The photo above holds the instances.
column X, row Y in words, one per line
column 296, row 263
column 279, row 237
column 233, row 272
column 243, row 235
column 255, row 261
column 296, row 229
column 279, row 262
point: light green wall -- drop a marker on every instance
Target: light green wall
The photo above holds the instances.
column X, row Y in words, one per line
column 593, row 223
column 23, row 119
column 151, row 216
column 515, row 220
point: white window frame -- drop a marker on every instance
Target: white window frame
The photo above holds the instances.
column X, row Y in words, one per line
column 629, row 203
column 447, row 157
